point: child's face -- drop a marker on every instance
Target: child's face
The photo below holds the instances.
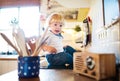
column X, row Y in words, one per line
column 56, row 27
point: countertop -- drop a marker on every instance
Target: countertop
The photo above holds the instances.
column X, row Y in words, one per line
column 8, row 57
column 45, row 75
column 51, row 75
column 13, row 57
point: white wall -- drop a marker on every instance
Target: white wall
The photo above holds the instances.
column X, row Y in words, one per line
column 74, row 3
column 96, row 15
column 103, row 40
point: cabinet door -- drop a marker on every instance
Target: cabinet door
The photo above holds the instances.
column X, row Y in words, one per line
column 7, row 66
column 4, row 66
column 0, row 67
column 12, row 65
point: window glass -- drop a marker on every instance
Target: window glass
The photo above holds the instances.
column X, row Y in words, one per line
column 6, row 14
column 28, row 18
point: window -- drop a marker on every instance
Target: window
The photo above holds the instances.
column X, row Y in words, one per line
column 28, row 18
column 111, row 11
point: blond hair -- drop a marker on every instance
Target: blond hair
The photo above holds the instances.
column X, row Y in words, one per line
column 55, row 17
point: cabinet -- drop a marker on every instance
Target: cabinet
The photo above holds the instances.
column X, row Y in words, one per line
column 7, row 66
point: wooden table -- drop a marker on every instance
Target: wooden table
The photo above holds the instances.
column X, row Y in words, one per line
column 50, row 75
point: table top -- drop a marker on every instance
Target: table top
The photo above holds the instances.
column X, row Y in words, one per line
column 8, row 57
column 45, row 75
column 49, row 75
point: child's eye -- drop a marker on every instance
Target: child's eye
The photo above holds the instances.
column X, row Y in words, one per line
column 55, row 24
column 61, row 25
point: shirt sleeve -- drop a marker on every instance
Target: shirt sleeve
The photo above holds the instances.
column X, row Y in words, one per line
column 46, row 39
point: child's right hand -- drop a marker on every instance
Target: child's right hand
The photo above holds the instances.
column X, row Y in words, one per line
column 50, row 49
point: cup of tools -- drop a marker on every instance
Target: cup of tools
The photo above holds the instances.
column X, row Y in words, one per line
column 28, row 66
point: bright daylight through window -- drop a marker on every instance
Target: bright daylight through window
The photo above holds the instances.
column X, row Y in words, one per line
column 27, row 18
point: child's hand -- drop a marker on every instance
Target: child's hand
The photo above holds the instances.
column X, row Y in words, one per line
column 50, row 49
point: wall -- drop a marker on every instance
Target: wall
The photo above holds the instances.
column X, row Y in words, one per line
column 103, row 40
column 82, row 13
column 96, row 15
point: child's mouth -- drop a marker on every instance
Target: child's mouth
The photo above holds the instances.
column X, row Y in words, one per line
column 57, row 31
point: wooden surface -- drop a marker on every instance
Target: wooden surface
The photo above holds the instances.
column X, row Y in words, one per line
column 104, row 65
column 50, row 75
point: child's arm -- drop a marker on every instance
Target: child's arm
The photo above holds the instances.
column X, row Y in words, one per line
column 50, row 49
